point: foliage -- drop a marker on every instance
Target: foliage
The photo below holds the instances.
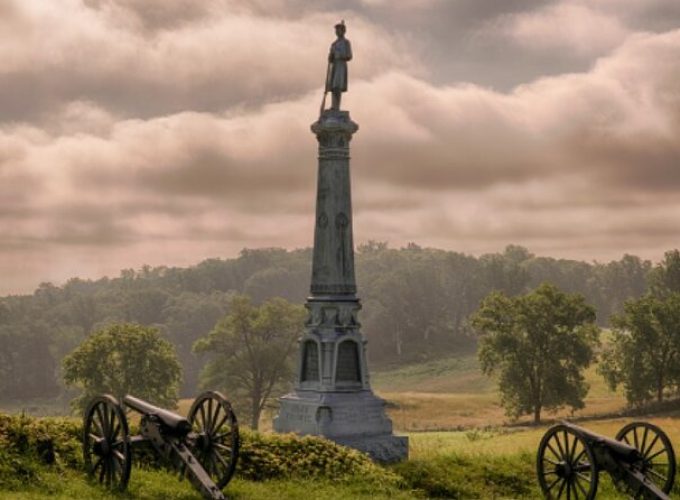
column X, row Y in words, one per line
column 27, row 445
column 125, row 359
column 286, row 456
column 25, row 440
column 644, row 355
column 538, row 344
column 664, row 279
column 416, row 302
column 252, row 350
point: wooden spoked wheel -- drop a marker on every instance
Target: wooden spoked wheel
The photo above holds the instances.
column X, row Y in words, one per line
column 106, row 443
column 566, row 465
column 217, row 439
column 656, row 450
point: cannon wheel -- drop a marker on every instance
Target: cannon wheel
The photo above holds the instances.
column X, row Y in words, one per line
column 566, row 465
column 656, row 450
column 106, row 443
column 217, row 439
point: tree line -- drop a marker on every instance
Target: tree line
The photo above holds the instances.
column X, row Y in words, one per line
column 417, row 303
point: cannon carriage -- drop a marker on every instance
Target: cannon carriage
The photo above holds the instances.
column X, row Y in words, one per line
column 640, row 461
column 203, row 447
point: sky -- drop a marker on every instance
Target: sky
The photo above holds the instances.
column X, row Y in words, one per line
column 164, row 132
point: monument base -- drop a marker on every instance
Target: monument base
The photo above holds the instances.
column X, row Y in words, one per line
column 385, row 449
column 354, row 419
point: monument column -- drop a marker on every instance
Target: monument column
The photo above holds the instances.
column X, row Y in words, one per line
column 332, row 396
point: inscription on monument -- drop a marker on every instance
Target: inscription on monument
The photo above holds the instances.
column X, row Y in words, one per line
column 372, row 416
column 301, row 415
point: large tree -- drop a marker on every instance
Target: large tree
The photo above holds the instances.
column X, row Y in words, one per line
column 644, row 354
column 252, row 350
column 537, row 345
column 125, row 359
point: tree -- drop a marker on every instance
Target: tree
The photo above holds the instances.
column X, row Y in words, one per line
column 664, row 279
column 506, row 272
column 252, row 349
column 645, row 350
column 538, row 345
column 125, row 359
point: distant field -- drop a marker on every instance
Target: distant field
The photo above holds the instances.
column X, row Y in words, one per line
column 452, row 393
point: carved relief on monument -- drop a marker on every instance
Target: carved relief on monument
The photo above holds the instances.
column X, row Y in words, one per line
column 344, row 255
column 329, row 316
column 322, row 221
column 315, row 316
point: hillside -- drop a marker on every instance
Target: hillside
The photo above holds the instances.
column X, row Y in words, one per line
column 416, row 303
column 452, row 393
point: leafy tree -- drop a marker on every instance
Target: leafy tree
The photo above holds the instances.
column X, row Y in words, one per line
column 125, row 359
column 538, row 345
column 506, row 272
column 252, row 349
column 644, row 355
column 188, row 317
column 664, row 279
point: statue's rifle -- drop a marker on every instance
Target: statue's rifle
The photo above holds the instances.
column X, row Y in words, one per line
column 325, row 88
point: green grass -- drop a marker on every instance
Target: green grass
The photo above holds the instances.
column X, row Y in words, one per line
column 453, row 394
column 460, row 447
column 494, row 463
column 156, row 485
column 458, row 375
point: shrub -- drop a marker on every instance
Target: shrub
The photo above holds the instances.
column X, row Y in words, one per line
column 30, row 445
column 287, row 456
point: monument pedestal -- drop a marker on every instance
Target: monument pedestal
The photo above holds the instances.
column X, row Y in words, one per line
column 354, row 419
column 332, row 396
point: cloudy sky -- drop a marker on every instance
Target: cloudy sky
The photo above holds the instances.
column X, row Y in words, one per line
column 167, row 131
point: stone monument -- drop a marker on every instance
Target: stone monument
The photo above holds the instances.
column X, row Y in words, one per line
column 332, row 396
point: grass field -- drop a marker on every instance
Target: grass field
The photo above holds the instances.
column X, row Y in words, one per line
column 453, row 394
column 461, row 445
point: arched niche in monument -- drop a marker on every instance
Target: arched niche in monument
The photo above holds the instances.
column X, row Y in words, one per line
column 310, row 362
column 347, row 363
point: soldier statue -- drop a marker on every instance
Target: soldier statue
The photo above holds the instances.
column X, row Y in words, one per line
column 336, row 76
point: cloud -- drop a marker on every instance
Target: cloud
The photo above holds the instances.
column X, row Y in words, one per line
column 567, row 26
column 136, row 136
column 215, row 59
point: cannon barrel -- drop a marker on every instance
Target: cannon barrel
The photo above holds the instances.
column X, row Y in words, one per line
column 172, row 420
column 621, row 449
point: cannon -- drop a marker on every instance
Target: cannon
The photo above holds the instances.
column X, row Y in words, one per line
column 203, row 447
column 640, row 461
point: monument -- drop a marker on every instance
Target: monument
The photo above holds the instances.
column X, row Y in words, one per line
column 332, row 396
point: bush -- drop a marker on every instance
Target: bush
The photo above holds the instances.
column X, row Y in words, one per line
column 31, row 445
column 27, row 445
column 287, row 456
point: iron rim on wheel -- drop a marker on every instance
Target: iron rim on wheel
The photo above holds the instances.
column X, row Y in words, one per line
column 217, row 438
column 656, row 450
column 566, row 466
column 106, row 443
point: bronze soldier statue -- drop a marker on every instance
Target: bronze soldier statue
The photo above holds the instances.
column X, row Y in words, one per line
column 336, row 76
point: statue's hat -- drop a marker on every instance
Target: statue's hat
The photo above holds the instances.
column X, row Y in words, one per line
column 341, row 24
